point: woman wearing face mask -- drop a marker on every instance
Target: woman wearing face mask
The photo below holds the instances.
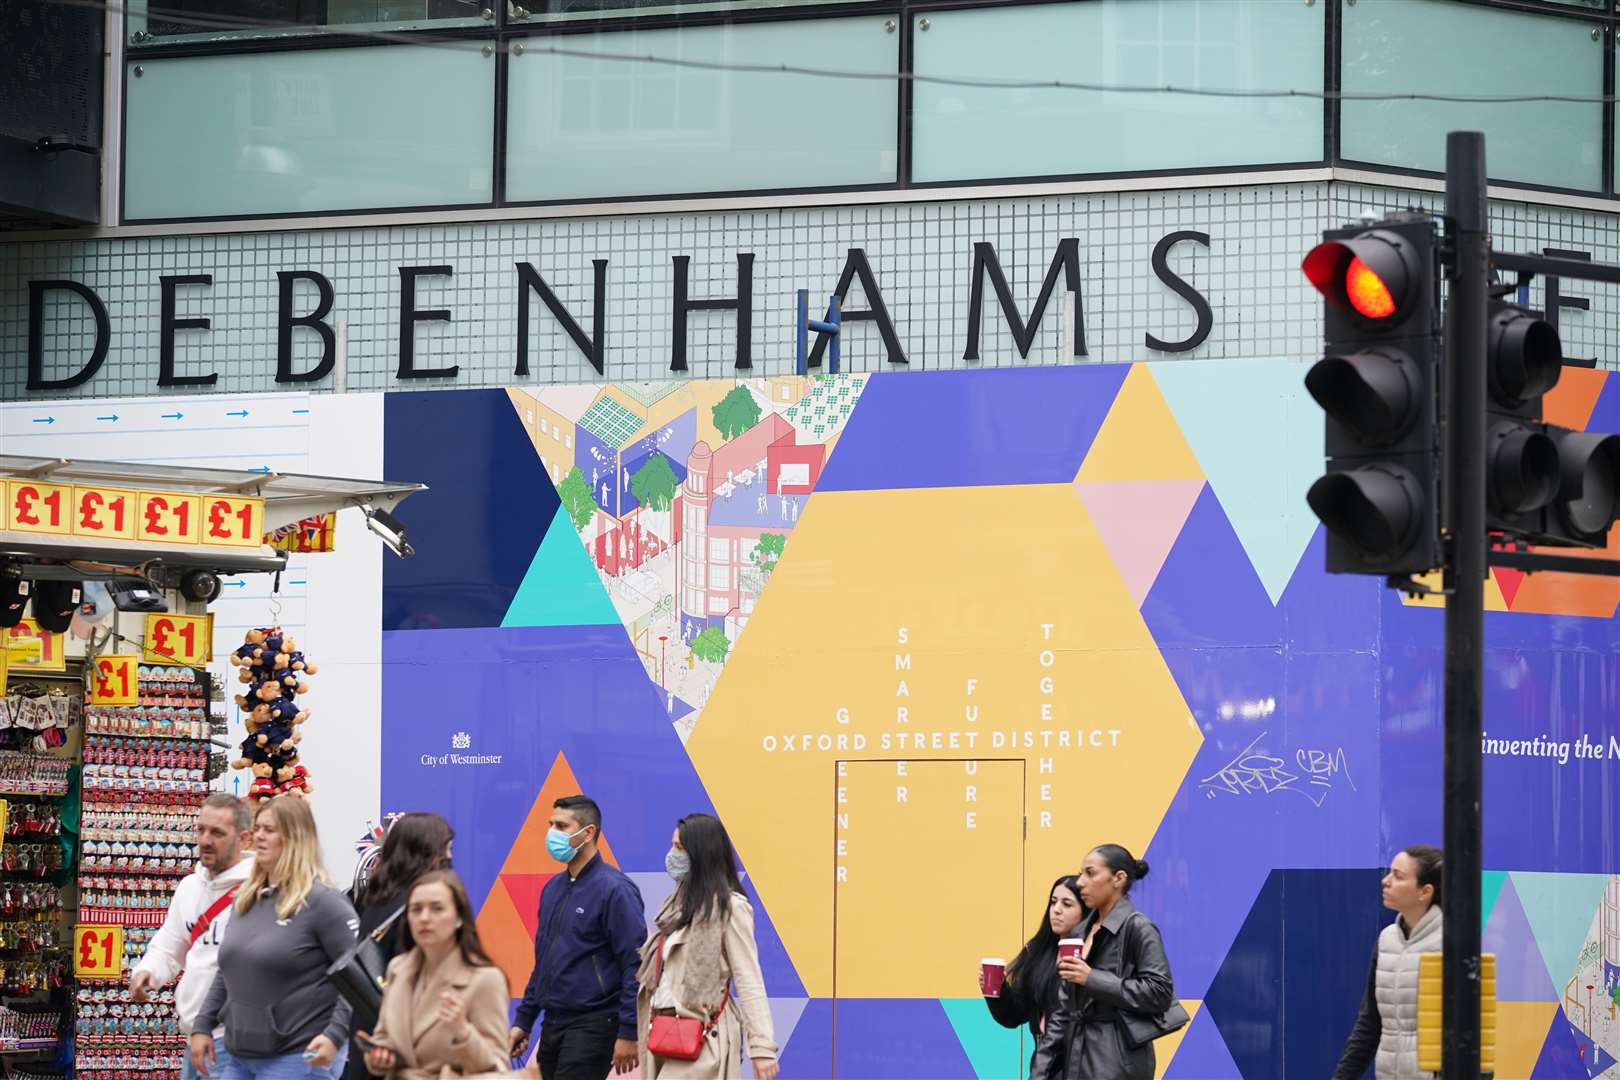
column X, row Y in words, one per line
column 1031, row 989
column 1121, row 974
column 1385, row 1035
column 705, row 939
column 444, row 1011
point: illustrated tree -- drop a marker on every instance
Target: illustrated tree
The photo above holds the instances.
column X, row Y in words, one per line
column 711, row 645
column 736, row 412
column 577, row 498
column 654, row 486
column 769, row 551
column 654, row 483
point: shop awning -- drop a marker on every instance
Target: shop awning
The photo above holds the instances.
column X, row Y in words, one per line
column 103, row 516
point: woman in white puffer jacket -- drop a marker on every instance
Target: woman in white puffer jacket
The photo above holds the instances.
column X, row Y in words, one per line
column 1385, row 1034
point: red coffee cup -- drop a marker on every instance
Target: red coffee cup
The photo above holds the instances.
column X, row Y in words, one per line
column 1071, row 946
column 992, row 973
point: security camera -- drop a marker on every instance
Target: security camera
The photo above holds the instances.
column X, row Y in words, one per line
column 390, row 529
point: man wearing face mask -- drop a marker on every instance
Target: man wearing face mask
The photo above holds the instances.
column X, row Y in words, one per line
column 586, row 952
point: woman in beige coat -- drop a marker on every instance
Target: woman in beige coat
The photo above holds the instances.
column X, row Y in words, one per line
column 444, row 1011
column 704, row 940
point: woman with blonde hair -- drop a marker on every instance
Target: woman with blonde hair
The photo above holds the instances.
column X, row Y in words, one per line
column 691, row 1025
column 283, row 1019
column 444, row 1012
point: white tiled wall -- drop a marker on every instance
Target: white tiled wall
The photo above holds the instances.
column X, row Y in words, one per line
column 920, row 252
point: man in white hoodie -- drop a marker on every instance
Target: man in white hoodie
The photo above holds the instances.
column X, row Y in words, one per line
column 198, row 914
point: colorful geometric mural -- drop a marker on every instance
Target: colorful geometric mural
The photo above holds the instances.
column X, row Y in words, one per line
column 923, row 639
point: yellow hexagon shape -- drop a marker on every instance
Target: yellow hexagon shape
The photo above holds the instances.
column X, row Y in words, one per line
column 977, row 664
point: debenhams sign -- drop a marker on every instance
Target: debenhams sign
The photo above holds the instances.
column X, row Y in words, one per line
column 529, row 283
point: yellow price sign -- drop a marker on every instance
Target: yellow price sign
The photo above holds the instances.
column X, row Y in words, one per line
column 98, row 952
column 232, row 522
column 38, row 508
column 168, row 518
column 178, row 639
column 23, row 639
column 106, row 512
column 115, row 680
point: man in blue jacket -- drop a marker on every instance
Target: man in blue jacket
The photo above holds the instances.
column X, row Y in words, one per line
column 586, row 952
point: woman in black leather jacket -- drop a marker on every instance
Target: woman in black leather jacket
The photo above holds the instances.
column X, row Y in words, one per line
column 1122, row 973
column 1030, row 991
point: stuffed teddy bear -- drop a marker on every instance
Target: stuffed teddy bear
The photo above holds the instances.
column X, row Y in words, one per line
column 273, row 673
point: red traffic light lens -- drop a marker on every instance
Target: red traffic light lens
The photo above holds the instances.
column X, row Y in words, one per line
column 1373, row 275
column 1367, row 292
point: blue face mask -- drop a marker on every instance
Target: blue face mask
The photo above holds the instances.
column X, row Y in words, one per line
column 560, row 844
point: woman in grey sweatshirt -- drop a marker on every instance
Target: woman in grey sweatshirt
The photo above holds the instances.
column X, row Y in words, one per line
column 283, row 1020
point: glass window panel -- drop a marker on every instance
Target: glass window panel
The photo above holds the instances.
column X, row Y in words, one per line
column 153, row 22
column 566, row 10
column 328, row 129
column 966, row 133
column 1395, row 45
column 581, row 127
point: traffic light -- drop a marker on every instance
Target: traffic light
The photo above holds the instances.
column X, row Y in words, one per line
column 1588, row 499
column 1378, row 383
column 1523, row 359
column 1544, row 483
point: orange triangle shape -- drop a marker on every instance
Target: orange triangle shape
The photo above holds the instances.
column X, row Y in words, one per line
column 1508, row 580
column 528, row 854
column 506, row 939
column 1570, row 403
column 1573, row 594
column 509, row 917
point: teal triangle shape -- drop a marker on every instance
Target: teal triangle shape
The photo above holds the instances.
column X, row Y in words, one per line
column 995, row 1052
column 1560, row 908
column 1490, row 887
column 1258, row 438
column 561, row 587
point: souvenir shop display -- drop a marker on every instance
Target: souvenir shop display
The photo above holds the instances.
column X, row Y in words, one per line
column 37, row 717
column 146, row 769
column 274, row 672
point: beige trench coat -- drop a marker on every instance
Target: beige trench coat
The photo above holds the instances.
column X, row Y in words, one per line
column 747, row 1012
column 421, row 1044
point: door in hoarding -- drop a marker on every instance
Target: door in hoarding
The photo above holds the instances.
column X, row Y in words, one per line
column 929, row 879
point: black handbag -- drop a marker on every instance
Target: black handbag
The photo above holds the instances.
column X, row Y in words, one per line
column 1140, row 1028
column 359, row 975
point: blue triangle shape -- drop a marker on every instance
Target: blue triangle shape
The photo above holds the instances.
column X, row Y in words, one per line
column 1202, row 1054
column 996, row 1053
column 561, row 587
column 1259, row 441
column 1562, row 1052
column 1560, row 908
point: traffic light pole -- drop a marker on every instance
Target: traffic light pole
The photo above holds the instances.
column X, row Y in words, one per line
column 1464, row 479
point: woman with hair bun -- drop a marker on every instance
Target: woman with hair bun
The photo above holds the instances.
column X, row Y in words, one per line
column 1385, row 1035
column 1120, row 981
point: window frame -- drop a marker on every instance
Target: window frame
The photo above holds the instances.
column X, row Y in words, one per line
column 505, row 31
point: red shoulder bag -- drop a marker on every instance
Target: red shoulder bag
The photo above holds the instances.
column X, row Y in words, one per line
column 680, row 1037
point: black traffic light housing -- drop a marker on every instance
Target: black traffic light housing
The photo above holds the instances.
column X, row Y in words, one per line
column 1544, row 483
column 1523, row 358
column 1378, row 383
